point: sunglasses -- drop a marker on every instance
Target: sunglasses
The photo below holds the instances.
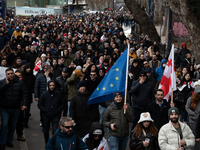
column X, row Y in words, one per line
column 93, row 74
column 67, row 127
column 142, row 75
column 144, row 63
column 96, row 135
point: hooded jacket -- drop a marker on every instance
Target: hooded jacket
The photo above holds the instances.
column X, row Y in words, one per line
column 160, row 70
column 51, row 103
column 89, row 137
column 65, row 142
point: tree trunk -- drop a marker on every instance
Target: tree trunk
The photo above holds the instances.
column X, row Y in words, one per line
column 182, row 9
column 141, row 18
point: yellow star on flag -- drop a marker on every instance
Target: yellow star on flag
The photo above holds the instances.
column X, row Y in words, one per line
column 111, row 85
column 104, row 88
column 97, row 89
column 117, row 69
column 117, row 78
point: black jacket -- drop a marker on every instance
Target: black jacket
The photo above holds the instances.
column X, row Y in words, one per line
column 62, row 86
column 142, row 94
column 31, row 57
column 82, row 113
column 51, row 104
column 159, row 114
column 13, row 94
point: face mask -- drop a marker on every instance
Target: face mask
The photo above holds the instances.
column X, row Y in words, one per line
column 164, row 65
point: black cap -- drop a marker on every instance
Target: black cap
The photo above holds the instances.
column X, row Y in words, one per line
column 106, row 60
column 65, row 70
column 142, row 72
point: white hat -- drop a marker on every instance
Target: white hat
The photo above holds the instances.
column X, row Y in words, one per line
column 145, row 117
column 97, row 131
column 79, row 68
column 43, row 55
column 196, row 83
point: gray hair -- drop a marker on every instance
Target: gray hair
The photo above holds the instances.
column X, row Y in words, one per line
column 64, row 119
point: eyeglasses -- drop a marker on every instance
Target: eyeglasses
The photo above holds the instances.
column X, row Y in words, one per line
column 142, row 75
column 96, row 135
column 67, row 127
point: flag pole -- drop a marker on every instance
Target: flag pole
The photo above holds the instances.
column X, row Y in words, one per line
column 126, row 83
column 172, row 73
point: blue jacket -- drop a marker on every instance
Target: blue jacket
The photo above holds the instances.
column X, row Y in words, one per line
column 64, row 142
column 159, row 70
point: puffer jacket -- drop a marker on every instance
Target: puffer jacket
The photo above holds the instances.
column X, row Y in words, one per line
column 66, row 142
column 13, row 94
column 72, row 85
column 82, row 113
column 193, row 115
column 121, row 120
column 62, row 86
column 143, row 94
column 160, row 70
column 51, row 104
column 169, row 138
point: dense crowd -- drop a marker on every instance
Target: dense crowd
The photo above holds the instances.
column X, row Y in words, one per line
column 61, row 59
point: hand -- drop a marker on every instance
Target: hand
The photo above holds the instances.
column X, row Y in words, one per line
column 141, row 81
column 198, row 139
column 112, row 126
column 7, row 81
column 146, row 144
column 125, row 106
column 180, row 148
column 182, row 142
column 37, row 99
column 172, row 104
column 23, row 108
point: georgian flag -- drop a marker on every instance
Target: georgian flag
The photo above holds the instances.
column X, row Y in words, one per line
column 168, row 80
column 79, row 35
column 189, row 84
column 37, row 68
column 121, row 8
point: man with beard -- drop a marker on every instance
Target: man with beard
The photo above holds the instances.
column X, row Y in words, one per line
column 175, row 135
column 159, row 109
column 65, row 137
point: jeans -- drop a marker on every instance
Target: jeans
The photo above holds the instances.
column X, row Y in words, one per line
column 9, row 118
column 184, row 116
column 118, row 143
column 101, row 112
column 26, row 114
column 68, row 108
column 136, row 113
column 46, row 125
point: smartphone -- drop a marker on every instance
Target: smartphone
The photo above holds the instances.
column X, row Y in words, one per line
column 147, row 140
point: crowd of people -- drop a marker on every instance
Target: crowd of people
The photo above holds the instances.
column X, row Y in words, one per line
column 61, row 59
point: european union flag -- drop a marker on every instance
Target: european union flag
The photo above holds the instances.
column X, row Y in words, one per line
column 114, row 80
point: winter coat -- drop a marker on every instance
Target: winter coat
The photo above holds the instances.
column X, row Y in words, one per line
column 142, row 94
column 51, row 104
column 41, row 85
column 16, row 34
column 65, row 142
column 89, row 139
column 169, row 138
column 137, row 143
column 121, row 120
column 31, row 57
column 151, row 63
column 3, row 41
column 159, row 114
column 72, row 85
column 82, row 113
column 56, row 71
column 160, row 70
column 25, row 43
column 62, row 86
column 13, row 94
column 193, row 115
column 29, row 82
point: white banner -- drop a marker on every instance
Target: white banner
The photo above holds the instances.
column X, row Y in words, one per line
column 3, row 73
column 28, row 11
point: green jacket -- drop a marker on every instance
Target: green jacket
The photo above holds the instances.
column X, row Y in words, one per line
column 121, row 120
column 72, row 85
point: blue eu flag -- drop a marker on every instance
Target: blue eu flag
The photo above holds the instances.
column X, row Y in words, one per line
column 113, row 81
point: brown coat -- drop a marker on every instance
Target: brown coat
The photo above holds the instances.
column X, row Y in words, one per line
column 150, row 63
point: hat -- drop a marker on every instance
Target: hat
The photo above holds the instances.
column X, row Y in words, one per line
column 79, row 68
column 142, row 72
column 17, row 28
column 147, row 70
column 81, row 83
column 196, row 83
column 135, row 60
column 145, row 48
column 65, row 70
column 131, row 49
column 43, row 55
column 23, row 62
column 116, row 93
column 175, row 49
column 173, row 109
column 106, row 60
column 78, row 72
column 145, row 117
column 97, row 131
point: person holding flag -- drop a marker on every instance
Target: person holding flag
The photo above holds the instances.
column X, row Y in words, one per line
column 118, row 122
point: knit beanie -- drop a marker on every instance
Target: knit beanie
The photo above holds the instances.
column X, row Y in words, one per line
column 78, row 72
column 116, row 93
column 173, row 109
column 81, row 83
column 79, row 68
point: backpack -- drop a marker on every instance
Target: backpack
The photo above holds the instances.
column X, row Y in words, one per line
column 54, row 141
